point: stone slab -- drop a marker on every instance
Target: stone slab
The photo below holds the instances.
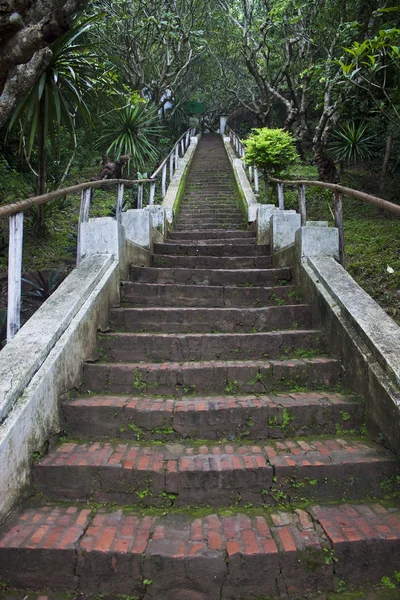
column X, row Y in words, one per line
column 377, row 329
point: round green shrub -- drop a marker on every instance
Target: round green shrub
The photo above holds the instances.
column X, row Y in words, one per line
column 271, row 150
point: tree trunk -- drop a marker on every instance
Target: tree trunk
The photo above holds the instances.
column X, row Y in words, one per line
column 385, row 166
column 41, row 225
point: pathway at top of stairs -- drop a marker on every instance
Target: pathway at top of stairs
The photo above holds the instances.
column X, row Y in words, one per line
column 212, row 454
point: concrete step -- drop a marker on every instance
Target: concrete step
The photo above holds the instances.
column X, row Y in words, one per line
column 287, row 553
column 214, row 250
column 202, row 226
column 229, row 242
column 150, row 294
column 319, row 470
column 136, row 347
column 213, row 418
column 210, row 235
column 245, row 278
column 208, row 320
column 211, row 262
column 211, row 377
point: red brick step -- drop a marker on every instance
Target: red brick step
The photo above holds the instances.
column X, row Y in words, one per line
column 232, row 277
column 206, row 320
column 293, row 554
column 214, row 417
column 136, row 347
column 156, row 294
column 210, row 377
column 215, row 475
column 212, row 262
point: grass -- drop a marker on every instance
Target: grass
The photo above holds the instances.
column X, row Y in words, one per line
column 372, row 240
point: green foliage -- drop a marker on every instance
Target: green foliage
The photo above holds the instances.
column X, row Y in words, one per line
column 43, row 284
column 57, row 96
column 351, row 143
column 272, row 150
column 132, row 130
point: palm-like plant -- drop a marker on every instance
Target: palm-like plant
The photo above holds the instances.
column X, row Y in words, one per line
column 352, row 143
column 57, row 97
column 133, row 130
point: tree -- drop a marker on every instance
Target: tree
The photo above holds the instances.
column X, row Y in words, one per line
column 56, row 98
column 26, row 30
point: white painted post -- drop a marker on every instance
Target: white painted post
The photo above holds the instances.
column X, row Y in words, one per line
column 86, row 197
column 171, row 166
column 152, row 192
column 302, row 204
column 16, row 235
column 176, row 156
column 120, row 202
column 164, row 180
column 140, row 195
column 222, row 125
column 256, row 182
column 281, row 197
column 182, row 148
column 187, row 139
column 250, row 173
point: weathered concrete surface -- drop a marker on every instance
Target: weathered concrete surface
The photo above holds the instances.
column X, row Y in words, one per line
column 377, row 329
column 317, row 241
column 138, row 224
column 102, row 236
column 24, row 355
column 158, row 214
column 284, row 225
column 361, row 369
column 245, row 189
column 264, row 216
column 175, row 188
column 53, row 344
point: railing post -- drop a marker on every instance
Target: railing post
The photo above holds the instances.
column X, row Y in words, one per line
column 140, row 195
column 302, row 203
column 171, row 166
column 176, row 156
column 164, row 180
column 256, row 182
column 120, row 202
column 152, row 192
column 86, row 198
column 250, row 173
column 281, row 197
column 14, row 274
column 338, row 212
column 183, row 147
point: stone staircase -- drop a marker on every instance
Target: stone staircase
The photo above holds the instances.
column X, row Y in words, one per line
column 212, row 454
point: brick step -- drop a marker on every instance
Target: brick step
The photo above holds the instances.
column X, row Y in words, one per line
column 226, row 220
column 202, row 226
column 245, row 278
column 215, row 250
column 282, row 553
column 205, row 213
column 210, row 235
column 211, row 377
column 212, row 262
column 215, row 475
column 136, row 347
column 229, row 242
column 213, row 418
column 150, row 294
column 211, row 320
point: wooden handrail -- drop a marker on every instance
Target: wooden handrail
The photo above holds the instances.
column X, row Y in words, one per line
column 164, row 162
column 345, row 191
column 23, row 205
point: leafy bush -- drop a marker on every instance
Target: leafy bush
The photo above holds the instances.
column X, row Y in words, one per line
column 271, row 150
